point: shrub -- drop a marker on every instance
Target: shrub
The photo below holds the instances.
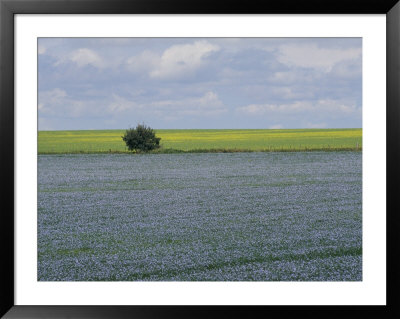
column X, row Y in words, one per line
column 141, row 138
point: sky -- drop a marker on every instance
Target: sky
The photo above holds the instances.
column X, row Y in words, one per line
column 199, row 83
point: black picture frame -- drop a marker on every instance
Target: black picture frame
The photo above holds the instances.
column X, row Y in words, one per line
column 8, row 8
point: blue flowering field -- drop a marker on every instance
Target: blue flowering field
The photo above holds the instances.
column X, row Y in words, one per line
column 200, row 217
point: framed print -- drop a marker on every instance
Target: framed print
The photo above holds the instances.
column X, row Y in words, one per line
column 168, row 159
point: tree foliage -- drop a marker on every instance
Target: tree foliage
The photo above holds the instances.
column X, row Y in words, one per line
column 141, row 138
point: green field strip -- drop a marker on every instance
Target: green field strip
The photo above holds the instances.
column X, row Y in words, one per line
column 175, row 141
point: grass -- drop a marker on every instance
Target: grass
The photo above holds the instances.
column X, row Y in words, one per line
column 203, row 141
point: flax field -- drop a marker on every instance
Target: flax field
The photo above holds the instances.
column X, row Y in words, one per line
column 258, row 216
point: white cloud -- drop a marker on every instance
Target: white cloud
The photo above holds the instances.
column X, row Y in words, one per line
column 145, row 61
column 229, row 73
column 256, row 109
column 207, row 105
column 41, row 49
column 48, row 99
column 120, row 104
column 321, row 107
column 183, row 58
column 57, row 102
column 176, row 61
column 315, row 125
column 44, row 124
column 83, row 57
column 285, row 92
column 348, row 69
column 276, row 127
column 289, row 77
column 312, row 56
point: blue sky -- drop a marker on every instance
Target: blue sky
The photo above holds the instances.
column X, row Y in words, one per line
column 116, row 83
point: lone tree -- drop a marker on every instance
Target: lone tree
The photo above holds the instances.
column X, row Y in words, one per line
column 141, row 138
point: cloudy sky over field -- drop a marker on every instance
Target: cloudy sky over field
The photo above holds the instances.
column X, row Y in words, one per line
column 88, row 83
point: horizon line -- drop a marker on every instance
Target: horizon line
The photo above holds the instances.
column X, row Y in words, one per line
column 205, row 129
